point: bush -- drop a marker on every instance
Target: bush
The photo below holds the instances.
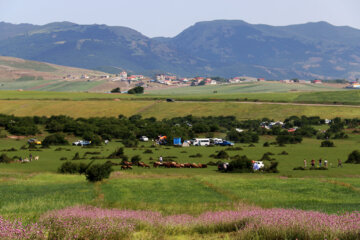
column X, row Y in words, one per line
column 5, row 159
column 327, row 143
column 130, row 142
column 354, row 157
column 136, row 90
column 118, row 153
column 266, row 144
column 55, row 139
column 241, row 164
column 69, row 167
column 198, row 155
column 98, row 172
column 135, row 159
column 283, row 153
column 76, row 157
column 147, row 151
column 299, row 168
column 222, row 155
column 116, row 90
column 291, row 139
column 272, row 168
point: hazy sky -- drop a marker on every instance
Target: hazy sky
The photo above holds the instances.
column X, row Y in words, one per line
column 169, row 17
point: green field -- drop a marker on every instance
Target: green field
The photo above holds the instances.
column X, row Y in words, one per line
column 33, row 188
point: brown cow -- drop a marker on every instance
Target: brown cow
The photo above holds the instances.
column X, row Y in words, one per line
column 146, row 165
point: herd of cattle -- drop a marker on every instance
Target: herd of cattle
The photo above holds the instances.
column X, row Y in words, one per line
column 129, row 165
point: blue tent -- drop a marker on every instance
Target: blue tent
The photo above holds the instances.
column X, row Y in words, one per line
column 177, row 141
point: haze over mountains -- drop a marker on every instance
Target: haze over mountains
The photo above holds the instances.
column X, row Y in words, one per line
column 215, row 48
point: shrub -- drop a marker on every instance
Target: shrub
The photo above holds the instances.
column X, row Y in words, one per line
column 198, row 155
column 299, row 168
column 327, row 143
column 98, row 172
column 115, row 90
column 63, row 158
column 266, row 157
column 135, row 159
column 5, row 159
column 272, row 168
column 76, row 157
column 130, row 142
column 55, row 139
column 234, row 149
column 291, row 139
column 266, row 144
column 148, row 151
column 283, row 153
column 222, row 155
column 241, row 164
column 354, row 157
column 136, row 90
column 69, row 167
column 118, row 153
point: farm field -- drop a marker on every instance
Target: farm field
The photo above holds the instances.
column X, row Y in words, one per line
column 162, row 109
column 266, row 92
column 34, row 188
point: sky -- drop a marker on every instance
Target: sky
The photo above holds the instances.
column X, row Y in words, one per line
column 168, row 18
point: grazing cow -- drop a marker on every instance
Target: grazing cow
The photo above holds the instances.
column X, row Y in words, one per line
column 127, row 163
column 36, row 158
column 167, row 164
column 194, row 165
column 146, row 165
column 25, row 160
column 124, row 167
column 158, row 164
column 187, row 165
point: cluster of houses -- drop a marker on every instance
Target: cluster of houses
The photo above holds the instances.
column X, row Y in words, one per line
column 174, row 80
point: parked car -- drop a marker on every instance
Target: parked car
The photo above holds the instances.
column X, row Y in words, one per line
column 35, row 141
column 226, row 143
column 81, row 143
column 144, row 139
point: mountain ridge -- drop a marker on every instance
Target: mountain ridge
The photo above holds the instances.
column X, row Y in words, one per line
column 220, row 47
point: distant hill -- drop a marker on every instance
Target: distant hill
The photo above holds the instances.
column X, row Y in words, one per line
column 222, row 47
column 16, row 69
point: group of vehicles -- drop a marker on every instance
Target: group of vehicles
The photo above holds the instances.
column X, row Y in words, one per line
column 195, row 142
column 210, row 141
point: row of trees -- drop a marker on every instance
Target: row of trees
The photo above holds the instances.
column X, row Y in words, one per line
column 131, row 128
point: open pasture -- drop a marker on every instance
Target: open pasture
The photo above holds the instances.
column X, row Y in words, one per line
column 33, row 188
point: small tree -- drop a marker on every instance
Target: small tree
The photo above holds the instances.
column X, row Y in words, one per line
column 136, row 90
column 69, row 167
column 98, row 172
column 327, row 143
column 222, row 155
column 354, row 157
column 5, row 159
column 55, row 139
column 116, row 90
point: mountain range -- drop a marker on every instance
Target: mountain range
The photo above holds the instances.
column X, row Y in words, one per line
column 224, row 48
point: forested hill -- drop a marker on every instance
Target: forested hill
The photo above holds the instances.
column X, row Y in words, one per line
column 222, row 47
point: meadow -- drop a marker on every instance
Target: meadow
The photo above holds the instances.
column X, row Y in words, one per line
column 177, row 197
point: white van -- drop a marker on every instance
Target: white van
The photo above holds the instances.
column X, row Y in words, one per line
column 201, row 141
